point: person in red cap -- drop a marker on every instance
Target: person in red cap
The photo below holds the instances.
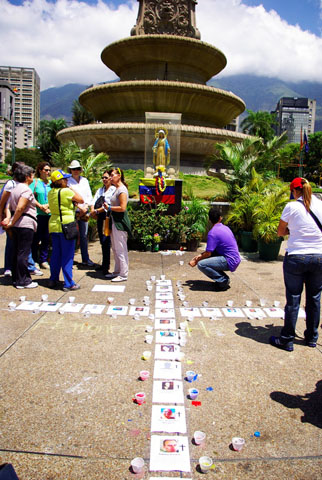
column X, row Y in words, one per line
column 302, row 221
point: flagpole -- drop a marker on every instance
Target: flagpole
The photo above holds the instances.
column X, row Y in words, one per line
column 301, row 154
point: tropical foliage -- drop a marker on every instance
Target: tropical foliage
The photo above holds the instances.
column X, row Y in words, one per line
column 47, row 138
column 81, row 116
column 260, row 124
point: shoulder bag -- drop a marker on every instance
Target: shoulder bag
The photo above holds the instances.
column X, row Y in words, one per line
column 70, row 230
column 315, row 218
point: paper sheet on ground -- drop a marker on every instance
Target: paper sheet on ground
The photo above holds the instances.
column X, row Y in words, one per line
column 93, row 308
column 109, row 288
column 254, row 312
column 167, row 391
column 71, row 307
column 211, row 312
column 166, row 351
column 164, row 312
column 233, row 312
column 189, row 312
column 50, row 306
column 163, row 288
column 168, row 418
column 164, row 303
column 169, row 453
column 164, row 296
column 28, row 305
column 163, row 282
column 142, row 311
column 165, row 336
column 117, row 310
column 165, row 323
column 166, row 369
column 274, row 312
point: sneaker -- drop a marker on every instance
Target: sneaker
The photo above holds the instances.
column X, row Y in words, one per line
column 72, row 288
column 37, row 272
column 45, row 265
column 30, row 285
column 111, row 275
column 276, row 342
column 7, row 273
column 89, row 263
column 310, row 344
column 119, row 279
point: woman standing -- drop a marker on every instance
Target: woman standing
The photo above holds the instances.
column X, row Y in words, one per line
column 103, row 195
column 121, row 226
column 40, row 188
column 81, row 186
column 22, row 225
column 302, row 221
column 62, row 256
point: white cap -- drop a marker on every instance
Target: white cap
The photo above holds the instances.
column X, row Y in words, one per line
column 74, row 164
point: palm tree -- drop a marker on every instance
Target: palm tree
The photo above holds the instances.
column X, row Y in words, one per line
column 259, row 124
column 47, row 139
column 81, row 116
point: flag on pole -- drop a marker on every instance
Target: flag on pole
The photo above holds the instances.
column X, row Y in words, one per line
column 301, row 140
column 306, row 143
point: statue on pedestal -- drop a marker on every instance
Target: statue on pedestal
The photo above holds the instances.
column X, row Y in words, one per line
column 161, row 151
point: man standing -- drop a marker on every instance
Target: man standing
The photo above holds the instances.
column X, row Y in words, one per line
column 221, row 253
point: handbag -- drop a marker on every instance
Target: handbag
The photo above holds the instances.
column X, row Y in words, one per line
column 70, row 230
column 99, row 202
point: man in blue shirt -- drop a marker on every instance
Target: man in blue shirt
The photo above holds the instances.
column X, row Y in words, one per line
column 221, row 253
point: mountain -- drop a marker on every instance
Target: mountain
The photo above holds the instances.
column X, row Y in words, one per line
column 259, row 93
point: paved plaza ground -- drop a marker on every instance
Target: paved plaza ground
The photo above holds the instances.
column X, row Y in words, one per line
column 67, row 381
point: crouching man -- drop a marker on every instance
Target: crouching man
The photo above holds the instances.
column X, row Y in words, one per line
column 221, row 253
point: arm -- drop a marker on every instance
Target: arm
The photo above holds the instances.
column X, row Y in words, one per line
column 77, row 198
column 21, row 207
column 3, row 202
column 199, row 257
column 121, row 207
column 282, row 229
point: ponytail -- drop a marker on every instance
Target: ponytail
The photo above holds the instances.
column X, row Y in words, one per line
column 306, row 192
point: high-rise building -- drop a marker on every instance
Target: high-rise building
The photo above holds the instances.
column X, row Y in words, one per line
column 7, row 101
column 294, row 115
column 25, row 83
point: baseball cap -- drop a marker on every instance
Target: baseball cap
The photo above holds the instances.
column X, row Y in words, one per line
column 58, row 175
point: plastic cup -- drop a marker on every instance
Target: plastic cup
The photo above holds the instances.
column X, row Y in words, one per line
column 149, row 339
column 22, row 298
column 132, row 301
column 205, row 464
column 183, row 334
column 149, row 288
column 144, row 374
column 36, row 311
column 87, row 314
column 148, row 282
column 153, row 278
column 248, row 303
column 146, row 355
column 238, row 443
column 180, row 356
column 71, row 299
column 110, row 299
column 230, row 303
column 183, row 325
column 276, row 303
column 262, row 302
column 162, row 277
column 148, row 328
column 190, row 318
column 178, row 283
column 140, row 397
column 193, row 393
column 151, row 316
column 185, row 303
column 136, row 316
column 199, row 437
column 137, row 465
column 114, row 315
column 44, row 297
column 181, row 263
column 61, row 311
column 183, row 342
column 12, row 306
column 205, row 304
column 190, row 375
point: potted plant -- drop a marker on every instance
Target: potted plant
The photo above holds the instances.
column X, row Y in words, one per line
column 268, row 215
column 195, row 221
column 156, row 242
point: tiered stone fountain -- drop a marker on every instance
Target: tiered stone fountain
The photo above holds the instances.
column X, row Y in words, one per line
column 163, row 67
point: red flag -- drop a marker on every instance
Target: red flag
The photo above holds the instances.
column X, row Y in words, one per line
column 301, row 141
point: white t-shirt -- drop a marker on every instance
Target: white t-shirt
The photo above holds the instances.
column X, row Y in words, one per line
column 305, row 235
column 82, row 187
column 106, row 193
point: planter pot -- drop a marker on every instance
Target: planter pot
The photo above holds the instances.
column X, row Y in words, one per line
column 269, row 251
column 156, row 247
column 192, row 245
column 248, row 243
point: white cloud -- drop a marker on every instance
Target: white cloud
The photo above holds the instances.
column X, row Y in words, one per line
column 64, row 40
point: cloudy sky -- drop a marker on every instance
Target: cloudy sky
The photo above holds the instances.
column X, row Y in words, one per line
column 63, row 39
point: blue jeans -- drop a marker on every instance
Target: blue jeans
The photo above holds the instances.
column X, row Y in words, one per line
column 83, row 229
column 62, row 257
column 214, row 268
column 300, row 270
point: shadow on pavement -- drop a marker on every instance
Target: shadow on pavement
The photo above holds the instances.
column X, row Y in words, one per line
column 310, row 404
column 200, row 285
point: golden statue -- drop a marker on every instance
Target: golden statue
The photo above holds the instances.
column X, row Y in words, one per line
column 161, row 150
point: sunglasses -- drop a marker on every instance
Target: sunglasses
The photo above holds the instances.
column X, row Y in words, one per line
column 78, row 168
column 46, row 169
column 103, row 178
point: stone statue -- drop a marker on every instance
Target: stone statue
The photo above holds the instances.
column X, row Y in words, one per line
column 170, row 17
column 161, row 151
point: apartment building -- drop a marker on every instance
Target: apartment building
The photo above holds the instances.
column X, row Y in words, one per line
column 294, row 115
column 25, row 83
column 7, row 101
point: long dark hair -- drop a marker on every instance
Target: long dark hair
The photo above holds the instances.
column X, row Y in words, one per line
column 121, row 172
column 41, row 166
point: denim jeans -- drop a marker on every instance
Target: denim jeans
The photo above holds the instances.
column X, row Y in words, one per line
column 83, row 229
column 214, row 268
column 300, row 270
